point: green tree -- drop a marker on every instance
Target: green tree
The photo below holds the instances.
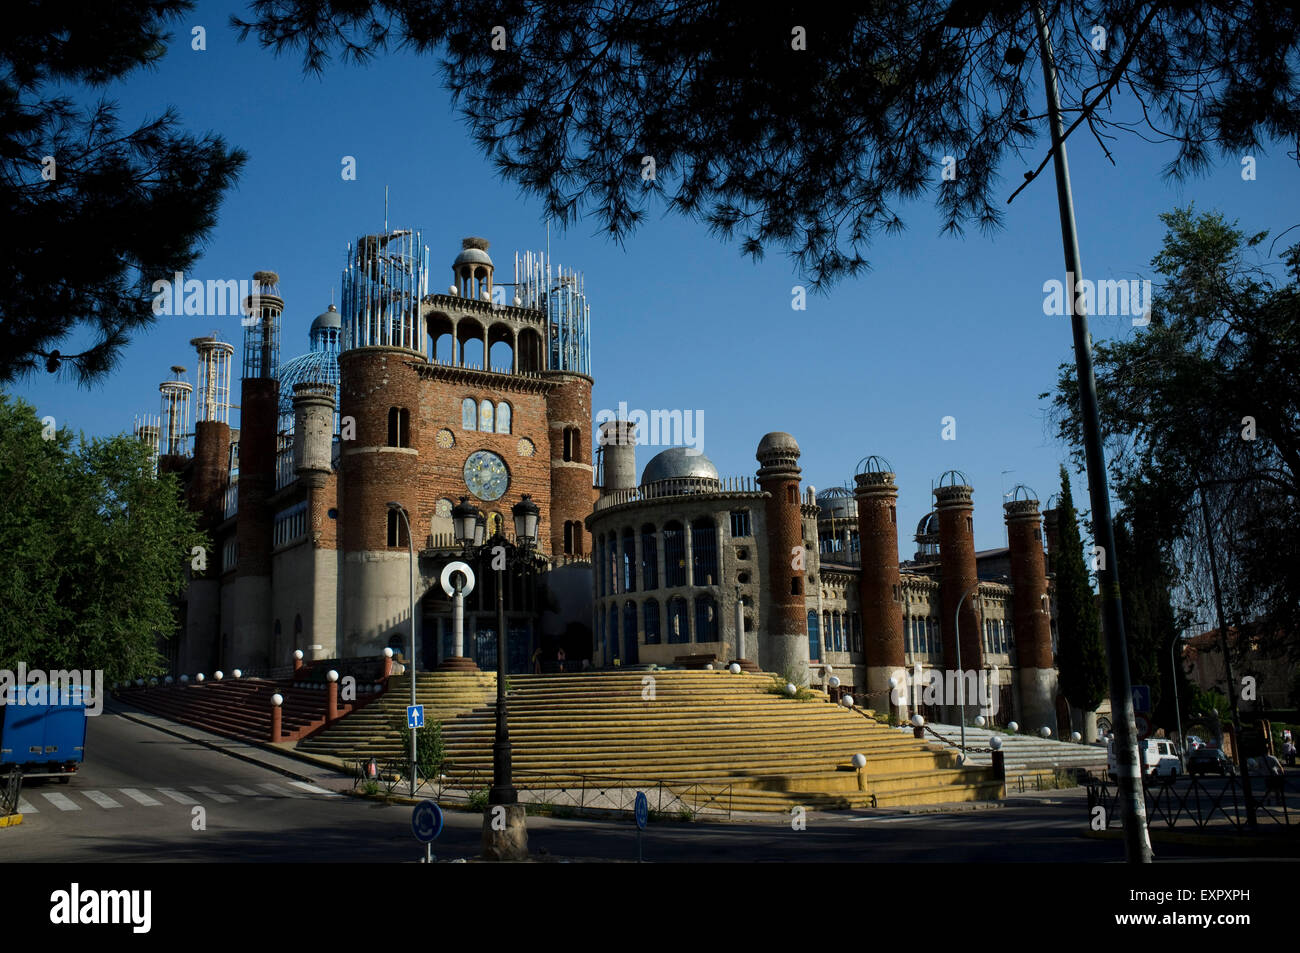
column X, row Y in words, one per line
column 806, row 126
column 1080, row 656
column 130, row 206
column 96, row 546
column 1206, row 399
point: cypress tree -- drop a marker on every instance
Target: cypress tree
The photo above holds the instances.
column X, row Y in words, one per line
column 1080, row 656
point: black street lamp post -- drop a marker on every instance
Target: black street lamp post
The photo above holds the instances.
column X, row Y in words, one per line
column 470, row 528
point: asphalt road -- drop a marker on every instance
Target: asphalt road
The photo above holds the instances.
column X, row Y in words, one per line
column 135, row 799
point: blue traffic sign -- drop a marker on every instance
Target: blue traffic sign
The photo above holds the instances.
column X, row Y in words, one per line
column 1142, row 698
column 414, row 716
column 642, row 810
column 426, row 822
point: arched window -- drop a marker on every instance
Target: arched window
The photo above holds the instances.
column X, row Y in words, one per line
column 649, row 557
column 469, row 414
column 613, row 633
column 706, row 619
column 629, row 560
column 704, row 552
column 838, row 621
column 826, row 627
column 651, row 613
column 485, row 416
column 399, row 427
column 297, row 627
column 674, row 554
column 396, row 529
column 679, row 622
column 503, row 417
column 814, row 637
column 572, row 445
column 629, row 621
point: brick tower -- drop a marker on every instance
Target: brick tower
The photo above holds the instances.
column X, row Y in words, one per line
column 879, row 582
column 783, row 646
column 958, row 577
column 1033, row 631
column 568, row 417
column 258, row 414
column 382, row 347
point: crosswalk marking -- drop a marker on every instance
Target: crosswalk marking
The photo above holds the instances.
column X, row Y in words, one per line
column 25, row 807
column 103, row 800
column 313, row 789
column 176, row 796
column 62, row 802
column 280, row 790
column 247, row 792
column 219, row 798
column 140, row 797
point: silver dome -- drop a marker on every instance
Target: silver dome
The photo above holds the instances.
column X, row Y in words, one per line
column 328, row 319
column 677, row 462
column 837, row 502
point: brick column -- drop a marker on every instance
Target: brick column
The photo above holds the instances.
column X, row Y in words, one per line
column 783, row 643
column 880, row 587
column 1033, row 632
column 958, row 575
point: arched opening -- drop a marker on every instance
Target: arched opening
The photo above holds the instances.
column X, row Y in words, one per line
column 704, row 552
column 630, row 645
column 528, row 352
column 674, row 554
column 501, row 348
column 503, row 417
column 679, row 620
column 470, row 338
column 650, row 612
column 706, row 619
column 469, row 414
column 442, row 340
column 649, row 557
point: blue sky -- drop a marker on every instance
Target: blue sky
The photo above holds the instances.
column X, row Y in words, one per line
column 939, row 327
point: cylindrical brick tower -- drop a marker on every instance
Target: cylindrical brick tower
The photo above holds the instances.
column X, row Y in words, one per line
column 259, row 406
column 880, row 587
column 568, row 417
column 380, row 463
column 618, row 452
column 783, row 643
column 1033, row 632
column 198, row 650
column 958, row 577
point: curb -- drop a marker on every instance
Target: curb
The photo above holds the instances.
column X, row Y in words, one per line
column 11, row 820
column 1284, row 846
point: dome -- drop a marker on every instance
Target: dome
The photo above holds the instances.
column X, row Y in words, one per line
column 837, row 502
column 777, row 442
column 473, row 252
column 677, row 462
column 317, row 367
column 327, row 319
column 929, row 525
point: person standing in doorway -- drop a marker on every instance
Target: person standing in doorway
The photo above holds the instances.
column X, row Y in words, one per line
column 559, row 658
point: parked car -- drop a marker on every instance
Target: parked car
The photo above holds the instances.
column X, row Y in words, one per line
column 1193, row 742
column 1158, row 758
column 1210, row 761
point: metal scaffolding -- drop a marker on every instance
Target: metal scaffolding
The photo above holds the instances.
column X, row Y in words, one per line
column 383, row 282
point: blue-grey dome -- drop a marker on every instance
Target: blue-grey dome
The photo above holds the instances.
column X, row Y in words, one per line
column 677, row 462
column 327, row 319
column 837, row 502
column 320, row 365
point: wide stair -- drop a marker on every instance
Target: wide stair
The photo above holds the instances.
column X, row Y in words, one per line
column 376, row 730
column 1027, row 755
column 722, row 735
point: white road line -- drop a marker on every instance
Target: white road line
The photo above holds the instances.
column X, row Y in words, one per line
column 140, row 797
column 103, row 800
column 280, row 790
column 25, row 807
column 313, row 789
column 208, row 792
column 176, row 796
column 62, row 802
column 246, row 792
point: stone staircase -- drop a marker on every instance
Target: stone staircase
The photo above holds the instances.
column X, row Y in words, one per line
column 373, row 731
column 237, row 708
column 723, row 735
column 1027, row 754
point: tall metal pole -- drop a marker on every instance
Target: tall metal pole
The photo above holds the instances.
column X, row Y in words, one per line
column 503, row 790
column 410, row 661
column 1137, row 842
column 1227, row 664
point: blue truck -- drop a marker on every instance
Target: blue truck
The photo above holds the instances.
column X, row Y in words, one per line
column 43, row 731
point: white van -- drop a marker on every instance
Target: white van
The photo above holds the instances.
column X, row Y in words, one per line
column 1159, row 758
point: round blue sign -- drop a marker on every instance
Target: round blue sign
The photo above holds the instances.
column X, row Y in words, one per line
column 426, row 822
column 642, row 810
